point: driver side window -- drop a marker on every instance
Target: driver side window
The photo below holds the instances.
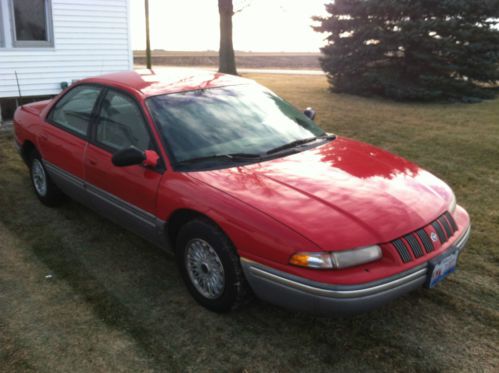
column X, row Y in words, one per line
column 120, row 123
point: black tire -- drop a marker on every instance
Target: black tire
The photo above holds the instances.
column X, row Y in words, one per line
column 235, row 291
column 51, row 195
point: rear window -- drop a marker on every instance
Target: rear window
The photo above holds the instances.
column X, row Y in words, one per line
column 73, row 112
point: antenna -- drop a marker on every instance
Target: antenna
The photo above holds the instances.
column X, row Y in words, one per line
column 18, row 87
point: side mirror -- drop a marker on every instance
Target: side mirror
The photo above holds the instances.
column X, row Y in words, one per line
column 152, row 159
column 133, row 156
column 310, row 113
column 128, row 157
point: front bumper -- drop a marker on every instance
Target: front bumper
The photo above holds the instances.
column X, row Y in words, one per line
column 300, row 294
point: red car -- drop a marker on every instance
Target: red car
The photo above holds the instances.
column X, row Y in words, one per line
column 252, row 196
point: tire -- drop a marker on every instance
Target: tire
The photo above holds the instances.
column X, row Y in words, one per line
column 45, row 189
column 204, row 252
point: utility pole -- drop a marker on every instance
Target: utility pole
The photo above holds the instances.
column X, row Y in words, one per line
column 148, row 38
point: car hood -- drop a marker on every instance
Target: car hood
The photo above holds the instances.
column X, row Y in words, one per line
column 340, row 195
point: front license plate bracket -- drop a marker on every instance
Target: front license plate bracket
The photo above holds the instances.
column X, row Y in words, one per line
column 440, row 267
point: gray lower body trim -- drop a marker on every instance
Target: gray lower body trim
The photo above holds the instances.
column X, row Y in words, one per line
column 332, row 291
column 119, row 211
column 143, row 217
column 73, row 186
column 285, row 290
column 298, row 293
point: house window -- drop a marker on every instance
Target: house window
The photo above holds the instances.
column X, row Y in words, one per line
column 31, row 23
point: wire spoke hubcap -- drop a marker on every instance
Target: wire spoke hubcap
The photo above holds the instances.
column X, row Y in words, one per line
column 205, row 269
column 39, row 177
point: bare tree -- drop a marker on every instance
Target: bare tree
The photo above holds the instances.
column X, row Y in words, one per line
column 227, row 9
column 226, row 57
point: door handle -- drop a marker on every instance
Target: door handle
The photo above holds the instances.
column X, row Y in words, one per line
column 92, row 162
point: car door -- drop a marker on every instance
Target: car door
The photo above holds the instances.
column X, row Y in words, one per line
column 126, row 195
column 63, row 138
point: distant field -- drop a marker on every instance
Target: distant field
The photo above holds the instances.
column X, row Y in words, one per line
column 253, row 60
column 80, row 294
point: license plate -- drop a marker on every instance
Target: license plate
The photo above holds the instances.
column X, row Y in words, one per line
column 441, row 268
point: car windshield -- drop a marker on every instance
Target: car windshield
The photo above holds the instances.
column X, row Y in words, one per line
column 243, row 120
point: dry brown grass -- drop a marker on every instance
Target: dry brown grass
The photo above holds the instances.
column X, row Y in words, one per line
column 114, row 303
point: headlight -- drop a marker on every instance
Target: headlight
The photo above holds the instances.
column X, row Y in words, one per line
column 452, row 204
column 350, row 258
column 340, row 259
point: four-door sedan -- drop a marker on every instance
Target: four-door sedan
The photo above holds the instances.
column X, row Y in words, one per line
column 252, row 196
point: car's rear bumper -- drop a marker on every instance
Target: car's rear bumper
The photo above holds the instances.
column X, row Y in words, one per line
column 297, row 293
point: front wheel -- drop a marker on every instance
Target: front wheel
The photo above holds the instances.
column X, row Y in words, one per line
column 46, row 191
column 210, row 266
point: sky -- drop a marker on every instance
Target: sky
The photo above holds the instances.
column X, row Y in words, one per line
column 263, row 26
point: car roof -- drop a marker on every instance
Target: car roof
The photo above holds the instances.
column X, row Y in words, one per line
column 149, row 83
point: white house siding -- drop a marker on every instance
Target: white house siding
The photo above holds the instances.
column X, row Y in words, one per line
column 91, row 37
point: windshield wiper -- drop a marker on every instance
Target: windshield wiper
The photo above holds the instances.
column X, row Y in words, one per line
column 300, row 142
column 232, row 157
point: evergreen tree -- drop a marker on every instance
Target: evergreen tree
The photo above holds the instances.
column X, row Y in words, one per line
column 412, row 49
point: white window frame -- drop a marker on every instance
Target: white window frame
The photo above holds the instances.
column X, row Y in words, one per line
column 49, row 43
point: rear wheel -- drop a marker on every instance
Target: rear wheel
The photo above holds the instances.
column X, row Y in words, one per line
column 210, row 266
column 46, row 191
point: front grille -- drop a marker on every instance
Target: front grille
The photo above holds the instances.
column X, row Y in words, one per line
column 418, row 243
column 413, row 242
column 451, row 220
column 425, row 239
column 402, row 250
column 438, row 228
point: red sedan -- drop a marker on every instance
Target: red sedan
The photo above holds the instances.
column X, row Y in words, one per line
column 250, row 194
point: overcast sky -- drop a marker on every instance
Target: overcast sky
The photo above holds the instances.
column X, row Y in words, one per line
column 265, row 25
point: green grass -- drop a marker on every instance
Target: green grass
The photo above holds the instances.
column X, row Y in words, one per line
column 111, row 302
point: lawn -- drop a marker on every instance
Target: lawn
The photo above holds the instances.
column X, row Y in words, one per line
column 78, row 293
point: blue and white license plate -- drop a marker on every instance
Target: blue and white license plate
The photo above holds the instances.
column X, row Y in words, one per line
column 441, row 267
